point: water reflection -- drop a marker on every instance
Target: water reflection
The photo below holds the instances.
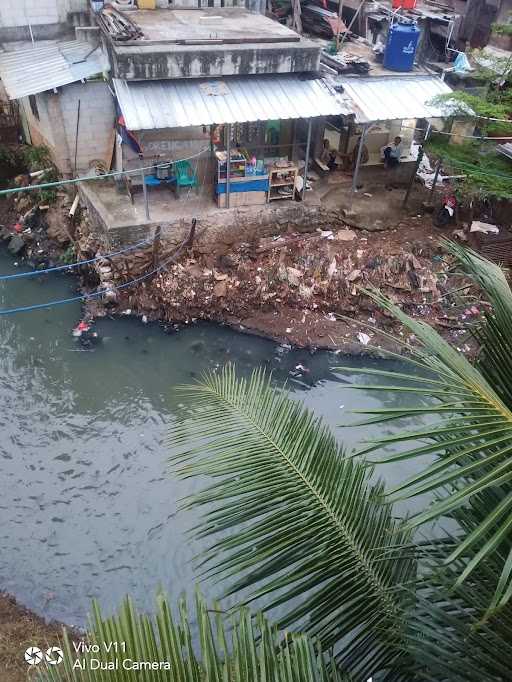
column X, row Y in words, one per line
column 86, row 507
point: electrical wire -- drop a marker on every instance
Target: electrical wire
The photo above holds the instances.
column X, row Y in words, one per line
column 88, row 178
column 96, row 294
column 467, row 137
column 36, row 273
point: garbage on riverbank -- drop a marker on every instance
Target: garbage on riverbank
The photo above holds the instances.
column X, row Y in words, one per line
column 295, row 287
column 300, row 288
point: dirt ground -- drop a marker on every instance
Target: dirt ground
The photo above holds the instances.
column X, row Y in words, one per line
column 20, row 629
column 306, row 289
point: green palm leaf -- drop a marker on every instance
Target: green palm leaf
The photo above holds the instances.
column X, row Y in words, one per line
column 294, row 523
column 471, row 433
column 236, row 649
column 446, row 637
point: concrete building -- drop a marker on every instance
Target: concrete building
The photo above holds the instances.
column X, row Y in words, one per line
column 64, row 100
column 209, row 42
column 40, row 19
column 47, row 61
column 201, row 110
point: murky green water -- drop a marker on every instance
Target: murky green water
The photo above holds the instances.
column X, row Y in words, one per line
column 86, row 507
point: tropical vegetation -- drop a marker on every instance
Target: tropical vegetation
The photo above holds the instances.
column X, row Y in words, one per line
column 302, row 530
column 485, row 173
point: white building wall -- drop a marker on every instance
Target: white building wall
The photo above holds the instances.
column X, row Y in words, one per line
column 40, row 128
column 22, row 12
column 96, row 133
column 14, row 13
column 55, row 127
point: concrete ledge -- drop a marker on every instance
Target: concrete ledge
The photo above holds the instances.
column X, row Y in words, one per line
column 103, row 225
column 225, row 226
column 186, row 61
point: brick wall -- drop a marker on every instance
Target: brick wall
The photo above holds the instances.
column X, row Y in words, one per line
column 168, row 144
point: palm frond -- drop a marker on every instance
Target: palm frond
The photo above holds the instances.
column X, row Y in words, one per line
column 494, row 335
column 470, row 435
column 217, row 648
column 294, row 523
column 446, row 636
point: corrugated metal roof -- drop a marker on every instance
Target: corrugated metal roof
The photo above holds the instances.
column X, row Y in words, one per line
column 505, row 149
column 149, row 105
column 389, row 98
column 36, row 69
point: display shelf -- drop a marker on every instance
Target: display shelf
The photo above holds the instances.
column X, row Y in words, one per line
column 238, row 166
column 281, row 196
column 282, row 176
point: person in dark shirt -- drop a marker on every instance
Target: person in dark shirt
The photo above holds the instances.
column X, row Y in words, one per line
column 392, row 153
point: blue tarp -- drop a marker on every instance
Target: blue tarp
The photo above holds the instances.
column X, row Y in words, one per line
column 234, row 187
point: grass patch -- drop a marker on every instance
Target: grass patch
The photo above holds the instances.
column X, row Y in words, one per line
column 487, row 173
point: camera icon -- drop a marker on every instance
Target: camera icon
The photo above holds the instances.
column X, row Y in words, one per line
column 33, row 655
column 53, row 656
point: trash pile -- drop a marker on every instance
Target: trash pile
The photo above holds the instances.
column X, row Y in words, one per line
column 37, row 226
column 312, row 276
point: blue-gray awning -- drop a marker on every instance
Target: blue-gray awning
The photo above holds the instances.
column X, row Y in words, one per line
column 389, row 98
column 149, row 105
column 37, row 69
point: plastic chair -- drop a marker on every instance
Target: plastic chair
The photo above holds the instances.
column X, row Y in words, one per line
column 185, row 175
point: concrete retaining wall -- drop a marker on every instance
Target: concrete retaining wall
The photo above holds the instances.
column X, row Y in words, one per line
column 218, row 226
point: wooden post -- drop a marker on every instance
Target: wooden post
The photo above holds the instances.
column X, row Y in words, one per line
column 228, row 163
column 76, row 136
column 294, row 153
column 192, row 234
column 413, row 175
column 156, row 246
column 340, row 12
column 306, row 160
column 358, row 160
column 434, row 182
column 145, row 191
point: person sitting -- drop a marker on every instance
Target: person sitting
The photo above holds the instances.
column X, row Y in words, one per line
column 392, row 153
column 328, row 155
column 355, row 153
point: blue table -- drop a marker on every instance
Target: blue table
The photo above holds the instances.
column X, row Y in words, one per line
column 153, row 181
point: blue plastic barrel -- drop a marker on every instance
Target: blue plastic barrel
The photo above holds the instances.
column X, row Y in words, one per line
column 401, row 47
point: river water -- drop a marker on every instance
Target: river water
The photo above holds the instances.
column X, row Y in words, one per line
column 87, row 508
